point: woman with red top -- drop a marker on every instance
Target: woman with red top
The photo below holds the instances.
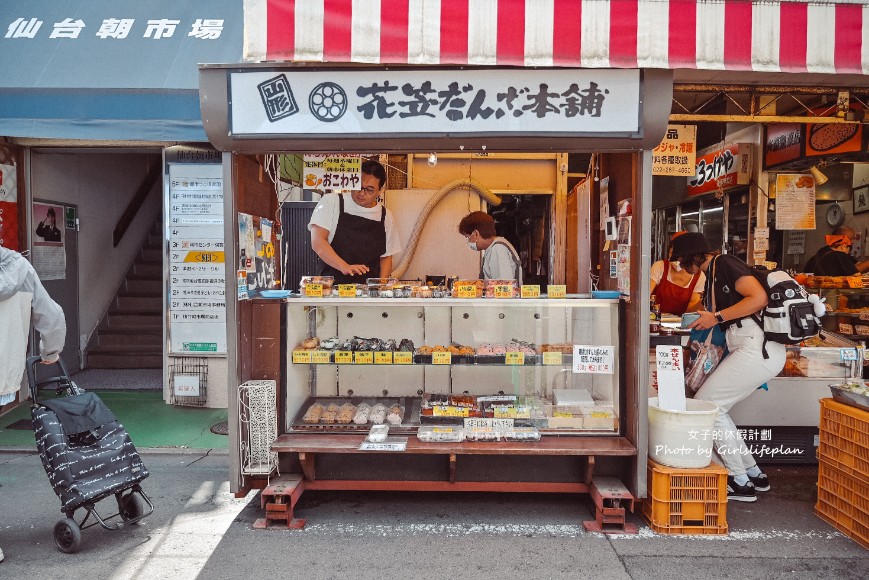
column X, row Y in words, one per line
column 675, row 290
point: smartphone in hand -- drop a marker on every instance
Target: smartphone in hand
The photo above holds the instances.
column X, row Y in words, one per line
column 689, row 318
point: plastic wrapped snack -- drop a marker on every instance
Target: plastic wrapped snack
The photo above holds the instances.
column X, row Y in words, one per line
column 313, row 414
column 501, row 289
column 326, row 281
column 378, row 414
column 363, row 411
column 346, row 413
column 378, row 433
column 329, row 417
column 441, row 434
column 459, row 287
column 394, row 415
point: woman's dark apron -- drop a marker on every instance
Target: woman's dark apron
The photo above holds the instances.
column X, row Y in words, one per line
column 357, row 240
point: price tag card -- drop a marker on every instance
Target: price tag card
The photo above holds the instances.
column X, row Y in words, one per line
column 556, row 291
column 530, row 291
column 563, row 415
column 364, row 358
column 467, row 291
column 441, row 358
column 347, row 290
column 391, row 444
column 552, row 358
column 515, row 358
column 849, row 354
column 343, row 357
column 314, row 290
column 383, row 358
column 402, row 358
column 320, row 357
column 447, row 411
column 301, row 356
column 504, row 291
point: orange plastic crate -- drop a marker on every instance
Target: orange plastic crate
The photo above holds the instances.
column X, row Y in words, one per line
column 687, row 501
column 843, row 502
column 844, row 438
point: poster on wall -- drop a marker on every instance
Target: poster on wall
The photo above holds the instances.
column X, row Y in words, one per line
column 338, row 172
column 197, row 283
column 49, row 251
column 261, row 255
column 623, row 269
column 794, row 201
column 8, row 207
column 604, row 201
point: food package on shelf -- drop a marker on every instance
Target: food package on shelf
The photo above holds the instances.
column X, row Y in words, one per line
column 501, row 289
column 441, row 434
column 380, row 287
column 440, row 408
column 378, row 433
column 475, row 287
column 325, row 281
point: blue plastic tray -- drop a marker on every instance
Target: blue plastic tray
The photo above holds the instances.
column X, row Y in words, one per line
column 274, row 293
column 606, row 294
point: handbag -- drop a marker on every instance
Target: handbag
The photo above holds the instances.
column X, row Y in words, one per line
column 705, row 354
column 705, row 358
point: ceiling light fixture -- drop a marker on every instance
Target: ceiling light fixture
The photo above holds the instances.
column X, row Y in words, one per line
column 433, row 159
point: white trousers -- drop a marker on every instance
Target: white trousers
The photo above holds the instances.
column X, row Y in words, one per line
column 741, row 372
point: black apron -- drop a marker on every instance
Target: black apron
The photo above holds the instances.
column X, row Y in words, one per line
column 358, row 240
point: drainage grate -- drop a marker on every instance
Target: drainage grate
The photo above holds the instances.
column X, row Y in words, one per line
column 221, row 428
column 21, row 425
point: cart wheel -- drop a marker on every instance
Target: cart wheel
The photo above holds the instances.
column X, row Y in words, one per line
column 67, row 536
column 130, row 506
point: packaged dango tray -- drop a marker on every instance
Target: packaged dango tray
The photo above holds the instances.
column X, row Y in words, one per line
column 354, row 413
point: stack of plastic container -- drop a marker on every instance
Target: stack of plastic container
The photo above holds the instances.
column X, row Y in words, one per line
column 843, row 470
column 687, row 500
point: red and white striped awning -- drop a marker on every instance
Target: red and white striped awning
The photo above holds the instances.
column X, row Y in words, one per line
column 817, row 36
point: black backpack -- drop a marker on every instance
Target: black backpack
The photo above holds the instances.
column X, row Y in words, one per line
column 789, row 317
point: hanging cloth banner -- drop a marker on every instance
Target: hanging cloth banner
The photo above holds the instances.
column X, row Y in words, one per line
column 8, row 207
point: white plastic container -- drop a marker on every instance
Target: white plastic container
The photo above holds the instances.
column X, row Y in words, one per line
column 682, row 438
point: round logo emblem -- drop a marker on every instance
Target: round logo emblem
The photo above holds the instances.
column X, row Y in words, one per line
column 328, row 102
column 790, row 293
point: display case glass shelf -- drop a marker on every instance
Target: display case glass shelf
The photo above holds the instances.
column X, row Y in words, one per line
column 551, row 364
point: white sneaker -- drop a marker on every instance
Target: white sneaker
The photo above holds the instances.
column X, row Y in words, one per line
column 1, row 555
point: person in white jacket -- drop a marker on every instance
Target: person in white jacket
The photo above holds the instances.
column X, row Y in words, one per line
column 23, row 299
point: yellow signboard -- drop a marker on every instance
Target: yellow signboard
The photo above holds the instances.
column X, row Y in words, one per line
column 301, row 356
column 205, row 257
column 556, row 291
column 530, row 291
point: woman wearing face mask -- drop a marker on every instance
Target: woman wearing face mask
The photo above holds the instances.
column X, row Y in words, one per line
column 500, row 260
column 675, row 290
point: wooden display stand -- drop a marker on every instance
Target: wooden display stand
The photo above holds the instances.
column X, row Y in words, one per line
column 280, row 497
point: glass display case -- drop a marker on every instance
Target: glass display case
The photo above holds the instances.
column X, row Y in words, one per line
column 543, row 365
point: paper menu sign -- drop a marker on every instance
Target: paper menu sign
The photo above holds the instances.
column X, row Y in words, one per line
column 671, row 377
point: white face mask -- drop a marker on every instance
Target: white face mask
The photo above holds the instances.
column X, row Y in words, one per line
column 472, row 245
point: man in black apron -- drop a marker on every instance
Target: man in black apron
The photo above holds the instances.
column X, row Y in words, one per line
column 361, row 234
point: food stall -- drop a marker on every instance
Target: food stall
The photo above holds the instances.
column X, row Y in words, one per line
column 491, row 386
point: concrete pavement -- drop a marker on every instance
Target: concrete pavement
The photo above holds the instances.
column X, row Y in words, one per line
column 200, row 531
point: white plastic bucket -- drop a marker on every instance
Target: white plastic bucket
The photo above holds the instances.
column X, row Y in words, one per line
column 682, row 438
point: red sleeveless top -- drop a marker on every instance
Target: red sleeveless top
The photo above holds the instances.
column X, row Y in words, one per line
column 673, row 298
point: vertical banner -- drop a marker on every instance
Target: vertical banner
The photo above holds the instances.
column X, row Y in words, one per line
column 49, row 251
column 8, row 207
column 197, row 269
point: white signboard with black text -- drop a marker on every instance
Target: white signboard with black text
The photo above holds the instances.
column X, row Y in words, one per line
column 365, row 102
column 197, row 273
